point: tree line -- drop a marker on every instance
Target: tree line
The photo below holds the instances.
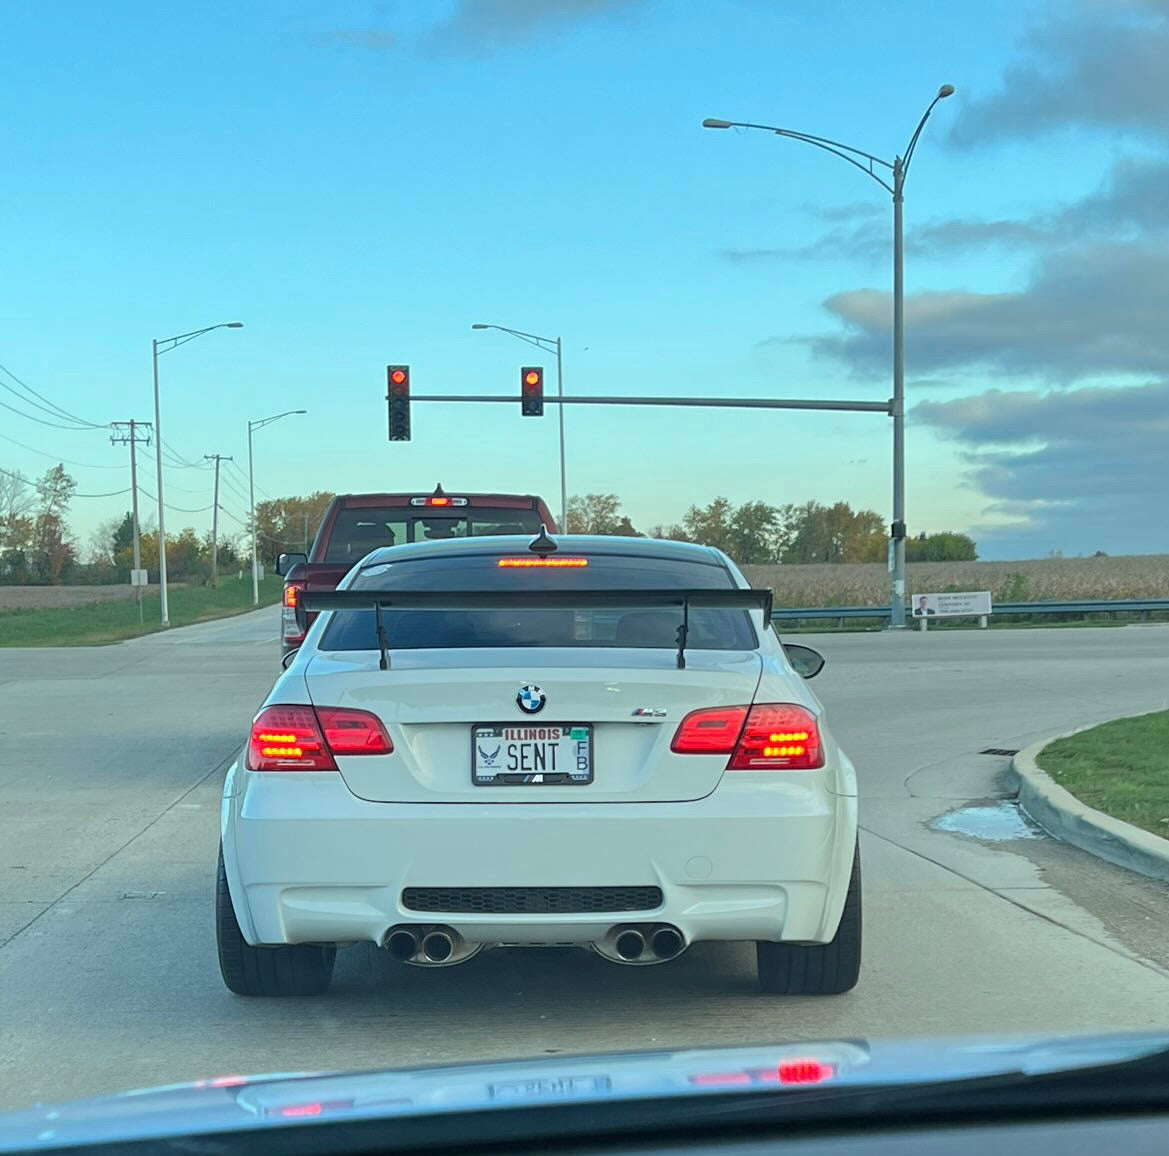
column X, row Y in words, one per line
column 37, row 545
column 757, row 533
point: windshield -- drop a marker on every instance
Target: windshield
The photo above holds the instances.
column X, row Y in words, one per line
column 858, row 312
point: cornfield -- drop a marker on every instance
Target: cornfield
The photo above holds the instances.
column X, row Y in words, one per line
column 1036, row 580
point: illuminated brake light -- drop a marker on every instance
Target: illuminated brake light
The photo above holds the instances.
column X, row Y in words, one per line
column 804, row 1072
column 291, row 594
column 440, row 502
column 354, row 732
column 299, row 738
column 709, row 732
column 766, row 737
column 778, row 737
column 542, row 563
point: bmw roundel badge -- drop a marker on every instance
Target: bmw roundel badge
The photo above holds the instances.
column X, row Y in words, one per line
column 530, row 699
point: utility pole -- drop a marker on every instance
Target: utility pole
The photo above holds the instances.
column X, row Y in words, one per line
column 216, row 458
column 127, row 433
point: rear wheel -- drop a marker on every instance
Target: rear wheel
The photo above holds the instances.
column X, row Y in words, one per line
column 292, row 969
column 819, row 968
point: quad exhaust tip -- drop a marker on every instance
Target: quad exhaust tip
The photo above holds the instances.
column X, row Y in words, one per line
column 402, row 945
column 437, row 946
column 667, row 942
column 630, row 945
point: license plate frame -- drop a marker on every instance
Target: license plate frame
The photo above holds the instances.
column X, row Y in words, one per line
column 531, row 775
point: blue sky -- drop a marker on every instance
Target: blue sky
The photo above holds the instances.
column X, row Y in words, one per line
column 359, row 182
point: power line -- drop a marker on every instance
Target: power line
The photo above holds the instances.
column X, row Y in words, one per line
column 56, row 457
column 54, row 411
column 111, row 494
column 177, row 509
column 41, row 420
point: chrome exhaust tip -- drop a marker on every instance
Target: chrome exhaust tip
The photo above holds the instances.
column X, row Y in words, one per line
column 437, row 946
column 402, row 945
column 629, row 945
column 667, row 942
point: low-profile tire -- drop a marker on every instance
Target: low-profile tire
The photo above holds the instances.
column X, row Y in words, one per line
column 818, row 968
column 291, row 969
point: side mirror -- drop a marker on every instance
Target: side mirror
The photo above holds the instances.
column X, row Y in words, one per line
column 807, row 662
column 286, row 562
column 286, row 661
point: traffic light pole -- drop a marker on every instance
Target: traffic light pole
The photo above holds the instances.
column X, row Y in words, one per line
column 885, row 407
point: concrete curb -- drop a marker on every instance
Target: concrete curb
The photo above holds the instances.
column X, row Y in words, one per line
column 1061, row 814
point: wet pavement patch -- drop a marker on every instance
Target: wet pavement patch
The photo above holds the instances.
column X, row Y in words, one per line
column 999, row 822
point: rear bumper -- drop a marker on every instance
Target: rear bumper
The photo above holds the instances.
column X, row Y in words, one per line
column 309, row 862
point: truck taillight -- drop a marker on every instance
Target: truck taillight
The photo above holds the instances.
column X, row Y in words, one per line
column 301, row 738
column 290, row 630
column 766, row 737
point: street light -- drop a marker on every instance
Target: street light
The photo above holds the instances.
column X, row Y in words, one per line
column 897, row 171
column 254, row 425
column 159, row 348
column 549, row 345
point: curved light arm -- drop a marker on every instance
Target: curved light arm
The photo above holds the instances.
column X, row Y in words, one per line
column 183, row 338
column 943, row 92
column 548, row 344
column 253, row 425
column 854, row 156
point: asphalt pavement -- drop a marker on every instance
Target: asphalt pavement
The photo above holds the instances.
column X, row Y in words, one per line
column 112, row 763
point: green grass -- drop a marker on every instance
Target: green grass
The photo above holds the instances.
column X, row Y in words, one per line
column 97, row 623
column 1120, row 768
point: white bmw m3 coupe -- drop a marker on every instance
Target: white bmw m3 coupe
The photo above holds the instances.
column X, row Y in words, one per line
column 588, row 741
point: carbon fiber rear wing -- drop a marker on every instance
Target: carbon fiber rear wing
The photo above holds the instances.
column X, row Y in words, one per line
column 379, row 600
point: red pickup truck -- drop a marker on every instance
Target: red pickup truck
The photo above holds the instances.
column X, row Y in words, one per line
column 355, row 524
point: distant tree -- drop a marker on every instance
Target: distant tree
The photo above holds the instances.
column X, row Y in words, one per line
column 836, row 533
column 17, row 500
column 53, row 545
column 947, row 546
column 285, row 525
column 598, row 514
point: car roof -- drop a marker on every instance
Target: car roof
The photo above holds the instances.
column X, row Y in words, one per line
column 568, row 543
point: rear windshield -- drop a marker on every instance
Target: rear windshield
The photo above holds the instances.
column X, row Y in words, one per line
column 710, row 629
column 356, row 532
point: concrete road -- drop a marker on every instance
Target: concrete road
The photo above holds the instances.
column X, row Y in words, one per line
column 110, row 777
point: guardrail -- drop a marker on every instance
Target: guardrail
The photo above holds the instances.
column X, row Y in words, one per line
column 1073, row 606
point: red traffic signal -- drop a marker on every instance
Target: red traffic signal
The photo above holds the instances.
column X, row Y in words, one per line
column 398, row 397
column 532, row 391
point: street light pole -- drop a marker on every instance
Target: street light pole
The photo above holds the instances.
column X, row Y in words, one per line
column 895, row 186
column 548, row 345
column 158, row 483
column 157, row 348
column 563, row 466
column 255, row 425
column 897, row 534
column 252, row 516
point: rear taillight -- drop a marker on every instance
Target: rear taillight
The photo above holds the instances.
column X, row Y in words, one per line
column 766, row 737
column 778, row 737
column 709, row 732
column 354, row 732
column 299, row 738
column 289, row 627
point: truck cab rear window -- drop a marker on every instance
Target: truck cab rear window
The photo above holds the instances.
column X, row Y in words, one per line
column 355, row 532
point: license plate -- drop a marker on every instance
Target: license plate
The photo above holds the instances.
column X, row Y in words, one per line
column 552, row 755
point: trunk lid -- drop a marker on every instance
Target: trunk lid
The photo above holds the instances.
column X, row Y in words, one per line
column 432, row 708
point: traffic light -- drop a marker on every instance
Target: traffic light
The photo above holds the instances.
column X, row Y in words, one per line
column 532, row 391
column 398, row 397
